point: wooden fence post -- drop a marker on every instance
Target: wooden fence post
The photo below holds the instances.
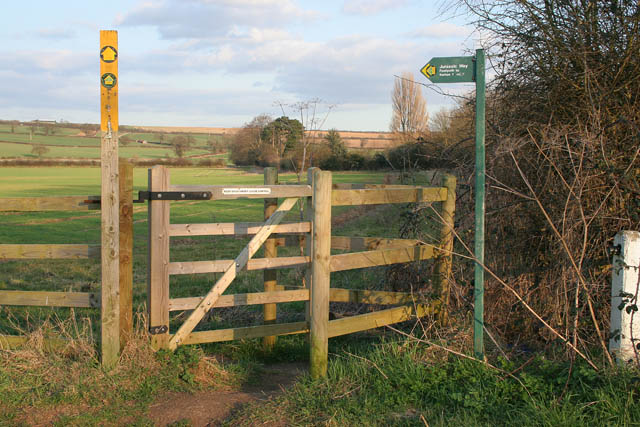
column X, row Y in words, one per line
column 308, row 216
column 126, row 251
column 320, row 274
column 444, row 261
column 158, row 273
column 624, row 343
column 270, row 251
column 109, row 224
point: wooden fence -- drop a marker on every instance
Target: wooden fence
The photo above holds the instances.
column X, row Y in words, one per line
column 74, row 251
column 317, row 240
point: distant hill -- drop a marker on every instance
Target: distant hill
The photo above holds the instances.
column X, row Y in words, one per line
column 352, row 139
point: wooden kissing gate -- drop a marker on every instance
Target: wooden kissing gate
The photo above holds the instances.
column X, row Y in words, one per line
column 320, row 196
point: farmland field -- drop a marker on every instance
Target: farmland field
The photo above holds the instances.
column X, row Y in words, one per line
column 65, row 142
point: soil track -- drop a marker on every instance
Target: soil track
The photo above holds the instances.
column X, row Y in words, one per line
column 212, row 408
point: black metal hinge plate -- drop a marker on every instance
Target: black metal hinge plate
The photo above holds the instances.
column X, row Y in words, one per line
column 156, row 330
column 172, row 195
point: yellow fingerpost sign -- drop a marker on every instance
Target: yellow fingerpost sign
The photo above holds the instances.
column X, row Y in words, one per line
column 108, row 80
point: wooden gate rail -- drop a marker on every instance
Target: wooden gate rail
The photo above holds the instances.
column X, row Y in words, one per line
column 234, row 229
column 222, row 265
column 234, row 192
column 282, row 296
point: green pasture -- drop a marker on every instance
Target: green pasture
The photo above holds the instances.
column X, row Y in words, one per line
column 133, row 150
column 67, row 143
column 66, row 140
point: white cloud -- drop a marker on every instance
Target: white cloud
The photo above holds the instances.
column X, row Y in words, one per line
column 213, row 20
column 56, row 33
column 370, row 7
column 442, row 30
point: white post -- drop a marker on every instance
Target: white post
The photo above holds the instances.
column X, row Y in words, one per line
column 625, row 317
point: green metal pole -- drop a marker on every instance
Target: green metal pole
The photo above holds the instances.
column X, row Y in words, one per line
column 478, row 295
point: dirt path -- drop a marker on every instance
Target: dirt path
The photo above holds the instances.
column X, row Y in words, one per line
column 211, row 408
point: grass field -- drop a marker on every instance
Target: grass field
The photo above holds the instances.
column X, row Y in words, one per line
column 71, row 143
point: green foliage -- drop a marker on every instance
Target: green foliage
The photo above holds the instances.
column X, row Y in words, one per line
column 284, row 134
column 181, row 144
column 181, row 363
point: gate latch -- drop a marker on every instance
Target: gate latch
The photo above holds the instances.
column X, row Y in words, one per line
column 156, row 330
column 172, row 195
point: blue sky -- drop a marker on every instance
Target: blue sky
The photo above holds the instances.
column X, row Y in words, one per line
column 222, row 62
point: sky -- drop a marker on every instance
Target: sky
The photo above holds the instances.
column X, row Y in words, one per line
column 219, row 63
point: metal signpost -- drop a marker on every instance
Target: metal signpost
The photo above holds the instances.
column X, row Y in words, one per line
column 466, row 69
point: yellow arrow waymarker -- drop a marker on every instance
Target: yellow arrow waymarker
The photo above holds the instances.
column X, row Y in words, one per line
column 428, row 70
column 108, row 54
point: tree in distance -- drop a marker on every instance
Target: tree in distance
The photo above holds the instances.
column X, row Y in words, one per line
column 279, row 137
column 125, row 140
column 181, row 144
column 409, row 119
column 247, row 143
column 39, row 150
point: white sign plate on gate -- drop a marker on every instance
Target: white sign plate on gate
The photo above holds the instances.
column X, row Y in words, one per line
column 245, row 191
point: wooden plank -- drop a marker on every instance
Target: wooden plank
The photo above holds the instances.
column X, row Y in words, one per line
column 43, row 251
column 390, row 195
column 369, row 243
column 371, row 297
column 356, row 260
column 363, row 322
column 10, row 342
column 352, row 243
column 228, row 276
column 320, row 274
column 247, row 332
column 233, row 192
column 222, row 265
column 361, row 186
column 270, row 277
column 255, row 298
column 445, row 256
column 126, row 251
column 308, row 241
column 50, row 299
column 64, row 203
column 234, row 229
column 158, row 274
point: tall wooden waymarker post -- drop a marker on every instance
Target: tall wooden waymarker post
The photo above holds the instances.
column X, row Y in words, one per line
column 467, row 69
column 110, row 229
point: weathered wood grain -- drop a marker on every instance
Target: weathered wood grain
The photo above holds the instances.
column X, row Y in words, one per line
column 387, row 195
column 320, row 274
column 234, row 229
column 43, row 251
column 50, row 299
column 247, row 332
column 235, row 300
column 366, row 259
column 222, row 265
column 363, row 322
column 61, row 203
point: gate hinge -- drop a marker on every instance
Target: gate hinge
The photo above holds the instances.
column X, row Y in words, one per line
column 156, row 330
column 172, row 195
